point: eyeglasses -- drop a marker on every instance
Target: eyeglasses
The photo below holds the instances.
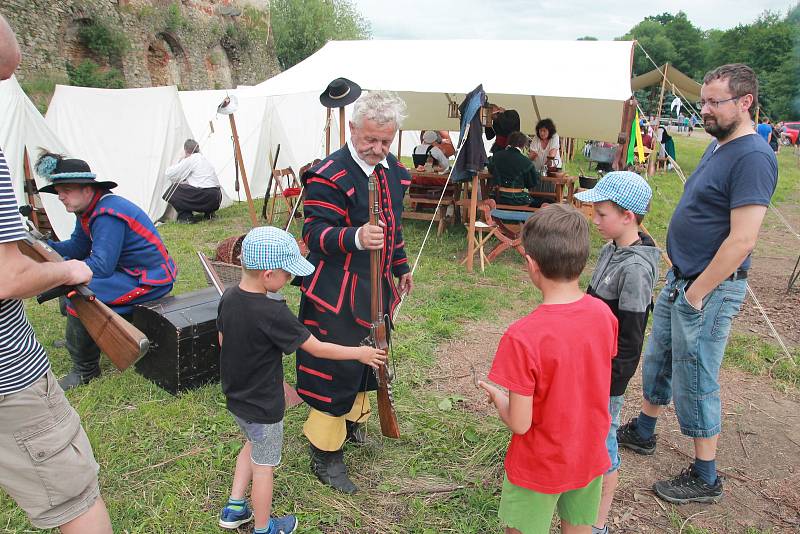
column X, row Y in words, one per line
column 714, row 104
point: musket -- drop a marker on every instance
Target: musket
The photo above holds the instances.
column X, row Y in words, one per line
column 378, row 336
column 122, row 342
column 289, row 393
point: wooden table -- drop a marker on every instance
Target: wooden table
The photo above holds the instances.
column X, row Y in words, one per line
column 558, row 182
column 426, row 190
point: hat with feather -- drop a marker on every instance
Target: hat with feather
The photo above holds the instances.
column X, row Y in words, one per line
column 57, row 170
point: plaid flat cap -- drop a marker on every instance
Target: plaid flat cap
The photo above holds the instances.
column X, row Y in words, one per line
column 626, row 189
column 267, row 247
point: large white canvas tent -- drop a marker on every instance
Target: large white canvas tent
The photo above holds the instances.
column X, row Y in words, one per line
column 129, row 136
column 581, row 85
column 23, row 126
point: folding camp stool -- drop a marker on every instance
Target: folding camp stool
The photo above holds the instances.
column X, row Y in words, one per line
column 508, row 227
column 483, row 233
column 290, row 192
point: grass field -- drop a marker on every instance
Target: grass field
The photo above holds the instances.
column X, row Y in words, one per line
column 167, row 462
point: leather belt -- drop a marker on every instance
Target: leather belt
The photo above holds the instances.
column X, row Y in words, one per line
column 740, row 274
column 510, row 190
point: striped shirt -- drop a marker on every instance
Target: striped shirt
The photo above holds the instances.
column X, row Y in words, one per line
column 22, row 359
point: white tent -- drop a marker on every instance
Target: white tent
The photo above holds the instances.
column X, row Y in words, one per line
column 213, row 132
column 295, row 122
column 23, row 126
column 581, row 86
column 129, row 136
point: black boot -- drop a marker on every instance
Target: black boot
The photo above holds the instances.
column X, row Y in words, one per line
column 356, row 433
column 85, row 355
column 330, row 469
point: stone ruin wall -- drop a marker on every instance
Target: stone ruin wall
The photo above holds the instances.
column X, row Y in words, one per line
column 209, row 48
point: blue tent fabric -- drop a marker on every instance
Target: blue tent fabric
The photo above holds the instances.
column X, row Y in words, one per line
column 472, row 158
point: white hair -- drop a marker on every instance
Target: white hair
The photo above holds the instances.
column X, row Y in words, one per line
column 383, row 107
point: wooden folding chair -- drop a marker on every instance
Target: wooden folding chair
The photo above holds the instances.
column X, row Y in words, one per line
column 288, row 188
column 508, row 233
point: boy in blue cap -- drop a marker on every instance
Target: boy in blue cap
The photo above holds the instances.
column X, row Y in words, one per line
column 624, row 277
column 256, row 328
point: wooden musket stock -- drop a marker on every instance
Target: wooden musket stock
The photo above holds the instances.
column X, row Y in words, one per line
column 122, row 342
column 378, row 329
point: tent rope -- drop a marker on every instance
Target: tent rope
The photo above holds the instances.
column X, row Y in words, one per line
column 430, row 225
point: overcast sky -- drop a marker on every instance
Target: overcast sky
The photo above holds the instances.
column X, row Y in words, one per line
column 545, row 19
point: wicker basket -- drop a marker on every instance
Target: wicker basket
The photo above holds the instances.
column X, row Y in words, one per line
column 229, row 273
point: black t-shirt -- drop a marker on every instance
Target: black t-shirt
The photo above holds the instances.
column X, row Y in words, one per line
column 257, row 330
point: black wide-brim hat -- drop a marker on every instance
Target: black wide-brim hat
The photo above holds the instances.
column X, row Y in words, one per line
column 59, row 171
column 340, row 92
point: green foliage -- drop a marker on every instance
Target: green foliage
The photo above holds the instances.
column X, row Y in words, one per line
column 586, row 38
column 770, row 45
column 174, row 19
column 90, row 74
column 301, row 27
column 40, row 88
column 104, row 40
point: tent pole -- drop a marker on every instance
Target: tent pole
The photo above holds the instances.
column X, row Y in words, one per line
column 651, row 166
column 536, row 109
column 341, row 127
column 399, row 143
column 26, row 166
column 250, row 207
column 625, row 132
column 328, row 131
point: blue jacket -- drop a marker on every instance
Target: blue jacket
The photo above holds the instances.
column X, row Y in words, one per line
column 119, row 243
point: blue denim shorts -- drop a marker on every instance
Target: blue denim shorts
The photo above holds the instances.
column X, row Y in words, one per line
column 614, row 408
column 684, row 353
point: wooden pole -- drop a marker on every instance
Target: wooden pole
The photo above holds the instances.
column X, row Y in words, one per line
column 327, row 131
column 651, row 167
column 399, row 143
column 26, row 166
column 250, row 207
column 473, row 213
column 341, row 127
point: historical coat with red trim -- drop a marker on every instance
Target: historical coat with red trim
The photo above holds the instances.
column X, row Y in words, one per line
column 335, row 301
column 122, row 247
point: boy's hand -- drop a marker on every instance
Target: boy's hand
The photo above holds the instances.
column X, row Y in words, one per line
column 494, row 395
column 371, row 356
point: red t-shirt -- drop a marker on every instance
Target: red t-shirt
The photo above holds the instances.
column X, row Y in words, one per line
column 559, row 354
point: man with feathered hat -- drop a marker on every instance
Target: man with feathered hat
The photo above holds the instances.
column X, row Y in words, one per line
column 119, row 243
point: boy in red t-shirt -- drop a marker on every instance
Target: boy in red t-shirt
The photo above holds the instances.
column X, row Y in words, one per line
column 556, row 364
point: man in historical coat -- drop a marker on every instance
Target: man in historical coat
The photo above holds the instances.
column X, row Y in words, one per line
column 335, row 302
column 119, row 243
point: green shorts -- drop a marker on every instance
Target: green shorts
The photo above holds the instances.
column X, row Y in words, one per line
column 531, row 512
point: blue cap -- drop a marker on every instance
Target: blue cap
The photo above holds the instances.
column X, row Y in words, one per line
column 626, row 189
column 267, row 247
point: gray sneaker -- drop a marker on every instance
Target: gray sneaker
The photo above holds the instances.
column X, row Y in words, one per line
column 603, row 530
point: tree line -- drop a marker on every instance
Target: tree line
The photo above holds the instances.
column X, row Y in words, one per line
column 770, row 45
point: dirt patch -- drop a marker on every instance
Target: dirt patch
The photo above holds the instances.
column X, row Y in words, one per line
column 759, row 450
column 773, row 260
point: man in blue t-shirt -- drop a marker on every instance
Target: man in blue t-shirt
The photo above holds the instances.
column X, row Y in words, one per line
column 765, row 129
column 711, row 235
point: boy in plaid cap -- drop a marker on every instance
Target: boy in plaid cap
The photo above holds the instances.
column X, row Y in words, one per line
column 624, row 277
column 256, row 328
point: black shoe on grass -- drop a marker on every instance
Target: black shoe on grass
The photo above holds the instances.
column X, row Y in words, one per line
column 628, row 437
column 688, row 487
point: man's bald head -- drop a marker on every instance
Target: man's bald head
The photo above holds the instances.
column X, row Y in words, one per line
column 9, row 50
